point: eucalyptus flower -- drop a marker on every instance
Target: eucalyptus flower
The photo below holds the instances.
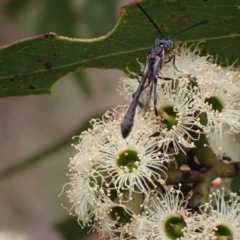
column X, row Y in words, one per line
column 215, row 89
column 222, row 217
column 199, row 95
column 115, row 221
column 218, row 97
column 86, row 181
column 118, row 185
column 135, row 163
column 171, row 218
column 188, row 62
column 177, row 110
column 106, row 165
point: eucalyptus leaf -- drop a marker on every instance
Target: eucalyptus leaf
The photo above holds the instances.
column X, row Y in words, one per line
column 33, row 65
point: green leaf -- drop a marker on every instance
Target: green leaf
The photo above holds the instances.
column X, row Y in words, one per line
column 32, row 66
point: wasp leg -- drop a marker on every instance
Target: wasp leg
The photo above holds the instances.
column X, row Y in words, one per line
column 155, row 95
column 172, row 58
column 139, row 103
column 165, row 78
column 147, row 85
column 137, row 76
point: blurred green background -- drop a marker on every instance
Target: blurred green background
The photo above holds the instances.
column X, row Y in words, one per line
column 37, row 130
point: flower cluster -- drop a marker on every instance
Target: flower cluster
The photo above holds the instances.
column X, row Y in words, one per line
column 202, row 96
column 108, row 170
column 124, row 188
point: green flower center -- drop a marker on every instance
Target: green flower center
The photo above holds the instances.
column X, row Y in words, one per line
column 173, row 227
column 120, row 215
column 128, row 160
column 215, row 103
column 169, row 117
column 223, row 233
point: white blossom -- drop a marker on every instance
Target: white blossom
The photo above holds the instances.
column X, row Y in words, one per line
column 169, row 210
column 131, row 163
column 177, row 109
column 116, row 221
column 218, row 96
column 187, row 62
column 106, row 163
column 222, row 217
column 108, row 170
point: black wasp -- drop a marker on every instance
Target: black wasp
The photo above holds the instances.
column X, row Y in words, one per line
column 149, row 77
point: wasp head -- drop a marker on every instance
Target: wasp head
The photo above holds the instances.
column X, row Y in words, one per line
column 166, row 43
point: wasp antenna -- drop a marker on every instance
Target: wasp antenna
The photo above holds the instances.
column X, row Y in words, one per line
column 151, row 20
column 185, row 29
